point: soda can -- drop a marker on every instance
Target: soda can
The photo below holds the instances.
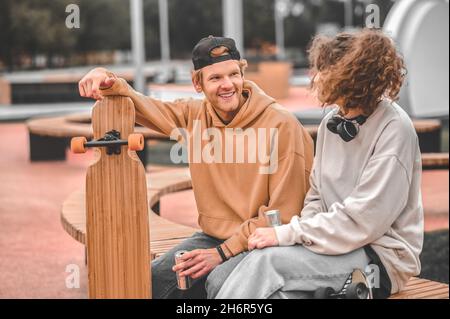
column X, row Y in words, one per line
column 273, row 218
column 183, row 282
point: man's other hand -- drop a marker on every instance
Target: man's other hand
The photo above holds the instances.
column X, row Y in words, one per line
column 198, row 262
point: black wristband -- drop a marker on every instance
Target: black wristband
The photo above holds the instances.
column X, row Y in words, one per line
column 221, row 253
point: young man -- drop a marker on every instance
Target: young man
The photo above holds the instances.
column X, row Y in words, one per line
column 364, row 207
column 232, row 192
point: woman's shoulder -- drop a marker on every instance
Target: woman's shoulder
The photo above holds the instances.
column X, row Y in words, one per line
column 395, row 118
column 397, row 136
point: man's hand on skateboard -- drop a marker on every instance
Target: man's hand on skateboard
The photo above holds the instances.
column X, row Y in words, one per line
column 93, row 82
column 198, row 262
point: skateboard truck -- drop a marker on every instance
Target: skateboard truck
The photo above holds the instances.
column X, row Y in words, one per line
column 111, row 140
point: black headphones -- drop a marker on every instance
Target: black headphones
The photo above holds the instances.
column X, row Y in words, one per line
column 347, row 129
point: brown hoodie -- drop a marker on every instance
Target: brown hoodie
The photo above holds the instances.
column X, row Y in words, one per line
column 232, row 194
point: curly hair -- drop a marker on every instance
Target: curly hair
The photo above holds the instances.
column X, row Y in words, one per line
column 356, row 70
column 325, row 51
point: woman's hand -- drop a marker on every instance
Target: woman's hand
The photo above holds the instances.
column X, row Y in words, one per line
column 262, row 237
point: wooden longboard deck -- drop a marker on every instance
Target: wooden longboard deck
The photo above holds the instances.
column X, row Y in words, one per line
column 117, row 230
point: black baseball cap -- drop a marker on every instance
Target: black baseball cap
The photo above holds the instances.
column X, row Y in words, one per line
column 201, row 55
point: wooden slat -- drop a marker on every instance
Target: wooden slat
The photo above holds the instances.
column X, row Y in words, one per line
column 432, row 294
column 415, row 288
column 418, row 288
column 421, row 126
column 435, row 160
column 76, row 125
column 424, row 288
column 73, row 219
column 425, row 126
column 170, row 181
column 73, row 215
column 159, row 248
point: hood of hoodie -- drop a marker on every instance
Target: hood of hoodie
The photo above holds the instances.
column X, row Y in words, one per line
column 257, row 102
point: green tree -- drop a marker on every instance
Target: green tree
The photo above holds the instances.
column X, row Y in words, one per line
column 190, row 21
column 105, row 25
column 259, row 23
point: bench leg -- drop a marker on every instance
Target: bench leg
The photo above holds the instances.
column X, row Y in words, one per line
column 46, row 148
column 157, row 208
column 430, row 142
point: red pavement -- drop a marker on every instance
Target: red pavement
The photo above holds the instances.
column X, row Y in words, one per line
column 34, row 248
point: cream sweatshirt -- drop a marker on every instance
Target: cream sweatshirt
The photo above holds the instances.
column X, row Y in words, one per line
column 232, row 194
column 366, row 191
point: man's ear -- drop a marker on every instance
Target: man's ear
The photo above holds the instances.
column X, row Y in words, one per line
column 196, row 83
column 197, row 86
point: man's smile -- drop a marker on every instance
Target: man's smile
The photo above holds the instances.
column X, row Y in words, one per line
column 227, row 96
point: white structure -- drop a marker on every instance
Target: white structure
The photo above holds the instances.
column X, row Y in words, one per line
column 137, row 44
column 282, row 9
column 421, row 30
column 280, row 12
column 232, row 13
column 164, row 30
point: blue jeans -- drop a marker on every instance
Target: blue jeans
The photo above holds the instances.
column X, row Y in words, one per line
column 288, row 272
column 164, row 281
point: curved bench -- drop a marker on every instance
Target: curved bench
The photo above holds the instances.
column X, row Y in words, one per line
column 435, row 160
column 165, row 234
column 49, row 137
column 428, row 131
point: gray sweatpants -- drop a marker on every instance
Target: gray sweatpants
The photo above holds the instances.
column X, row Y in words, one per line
column 288, row 272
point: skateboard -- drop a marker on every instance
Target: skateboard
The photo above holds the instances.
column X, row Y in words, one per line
column 355, row 287
column 117, row 231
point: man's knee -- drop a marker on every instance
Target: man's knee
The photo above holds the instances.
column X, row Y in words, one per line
column 213, row 283
column 163, row 278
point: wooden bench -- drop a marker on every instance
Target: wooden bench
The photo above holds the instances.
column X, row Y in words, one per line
column 428, row 131
column 435, row 160
column 5, row 91
column 50, row 137
column 165, row 234
column 418, row 288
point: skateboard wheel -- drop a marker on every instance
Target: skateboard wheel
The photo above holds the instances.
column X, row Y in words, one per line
column 324, row 293
column 77, row 145
column 357, row 291
column 136, row 142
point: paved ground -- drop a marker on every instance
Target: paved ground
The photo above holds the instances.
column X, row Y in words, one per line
column 35, row 250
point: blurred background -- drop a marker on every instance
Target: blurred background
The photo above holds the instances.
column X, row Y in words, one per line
column 33, row 35
column 46, row 46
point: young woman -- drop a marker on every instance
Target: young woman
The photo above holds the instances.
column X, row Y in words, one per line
column 364, row 206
